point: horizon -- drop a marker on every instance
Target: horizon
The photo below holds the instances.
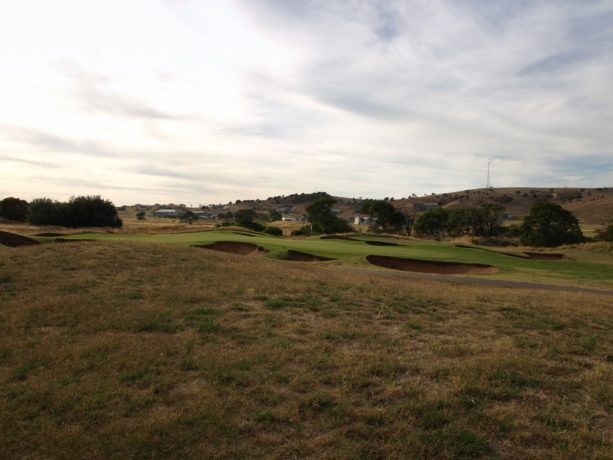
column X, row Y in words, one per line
column 177, row 101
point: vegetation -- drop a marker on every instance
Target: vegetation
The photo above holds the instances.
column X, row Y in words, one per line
column 548, row 224
column 606, row 234
column 14, row 209
column 274, row 231
column 81, row 211
column 135, row 350
column 386, row 217
column 432, row 223
column 323, row 220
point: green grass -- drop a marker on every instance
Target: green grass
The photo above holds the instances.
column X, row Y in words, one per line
column 586, row 267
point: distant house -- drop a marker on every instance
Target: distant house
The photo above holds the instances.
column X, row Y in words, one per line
column 167, row 213
column 359, row 220
column 205, row 215
column 292, row 218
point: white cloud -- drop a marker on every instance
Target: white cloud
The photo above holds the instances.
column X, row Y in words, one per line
column 192, row 101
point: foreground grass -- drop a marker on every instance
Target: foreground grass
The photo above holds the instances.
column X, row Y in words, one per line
column 134, row 350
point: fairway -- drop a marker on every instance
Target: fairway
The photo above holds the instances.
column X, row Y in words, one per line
column 581, row 267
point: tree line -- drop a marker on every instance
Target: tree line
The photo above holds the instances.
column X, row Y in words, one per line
column 80, row 211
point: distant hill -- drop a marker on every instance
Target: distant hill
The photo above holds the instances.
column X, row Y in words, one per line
column 590, row 205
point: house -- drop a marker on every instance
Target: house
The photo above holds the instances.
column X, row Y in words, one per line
column 167, row 213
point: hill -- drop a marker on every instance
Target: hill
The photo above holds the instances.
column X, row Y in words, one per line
column 590, row 205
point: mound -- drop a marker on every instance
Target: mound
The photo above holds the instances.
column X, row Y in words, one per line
column 297, row 256
column 381, row 243
column 336, row 237
column 233, row 247
column 430, row 266
column 545, row 255
column 13, row 240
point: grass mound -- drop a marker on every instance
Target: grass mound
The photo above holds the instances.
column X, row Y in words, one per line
column 13, row 240
column 298, row 256
column 545, row 255
column 431, row 266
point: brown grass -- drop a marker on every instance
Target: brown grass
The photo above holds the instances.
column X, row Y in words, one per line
column 143, row 351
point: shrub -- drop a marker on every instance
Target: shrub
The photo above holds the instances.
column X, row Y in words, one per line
column 275, row 231
column 14, row 209
column 82, row 211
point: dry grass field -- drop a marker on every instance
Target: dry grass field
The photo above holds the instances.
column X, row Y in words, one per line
column 135, row 350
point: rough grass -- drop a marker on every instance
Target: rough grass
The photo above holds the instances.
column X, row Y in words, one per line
column 124, row 350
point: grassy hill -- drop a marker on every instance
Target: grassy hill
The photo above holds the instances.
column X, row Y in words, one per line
column 140, row 350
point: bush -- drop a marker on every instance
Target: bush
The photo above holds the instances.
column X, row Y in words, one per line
column 432, row 223
column 275, row 231
column 549, row 224
column 605, row 234
column 82, row 211
column 14, row 209
column 302, row 231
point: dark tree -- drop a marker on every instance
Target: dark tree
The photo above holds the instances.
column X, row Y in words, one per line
column 432, row 223
column 82, row 211
column 605, row 234
column 549, row 224
column 463, row 221
column 14, row 209
column 275, row 215
column 323, row 220
column 491, row 217
column 44, row 211
column 246, row 218
column 386, row 217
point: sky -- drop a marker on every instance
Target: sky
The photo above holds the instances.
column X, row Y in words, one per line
column 195, row 102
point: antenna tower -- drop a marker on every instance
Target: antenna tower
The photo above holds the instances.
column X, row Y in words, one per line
column 488, row 175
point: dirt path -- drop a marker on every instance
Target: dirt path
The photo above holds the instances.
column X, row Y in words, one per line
column 478, row 281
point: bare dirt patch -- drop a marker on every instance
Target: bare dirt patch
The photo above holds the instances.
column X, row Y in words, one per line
column 545, row 255
column 233, row 247
column 336, row 237
column 381, row 243
column 297, row 256
column 13, row 240
column 430, row 266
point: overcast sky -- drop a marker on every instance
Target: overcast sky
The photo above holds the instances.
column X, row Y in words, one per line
column 215, row 100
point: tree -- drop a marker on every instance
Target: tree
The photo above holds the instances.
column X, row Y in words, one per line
column 386, row 217
column 275, row 215
column 549, row 224
column 82, row 211
column 140, row 215
column 246, row 218
column 491, row 216
column 14, row 209
column 463, row 221
column 432, row 223
column 323, row 220
column 272, row 230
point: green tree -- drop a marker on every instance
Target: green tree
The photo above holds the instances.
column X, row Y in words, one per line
column 140, row 215
column 275, row 215
column 385, row 215
column 246, row 218
column 44, row 211
column 432, row 223
column 14, row 209
column 549, row 224
column 272, row 230
column 463, row 221
column 490, row 215
column 323, row 220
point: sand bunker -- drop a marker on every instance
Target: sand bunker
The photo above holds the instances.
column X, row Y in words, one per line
column 336, row 237
column 520, row 255
column 431, row 266
column 50, row 234
column 245, row 234
column 13, row 240
column 297, row 256
column 233, row 247
column 545, row 255
column 66, row 240
column 381, row 243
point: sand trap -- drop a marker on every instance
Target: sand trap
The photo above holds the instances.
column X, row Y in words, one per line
column 502, row 253
column 336, row 237
column 297, row 256
column 431, row 266
column 50, row 234
column 381, row 243
column 545, row 255
column 13, row 240
column 66, row 240
column 233, row 247
column 245, row 234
